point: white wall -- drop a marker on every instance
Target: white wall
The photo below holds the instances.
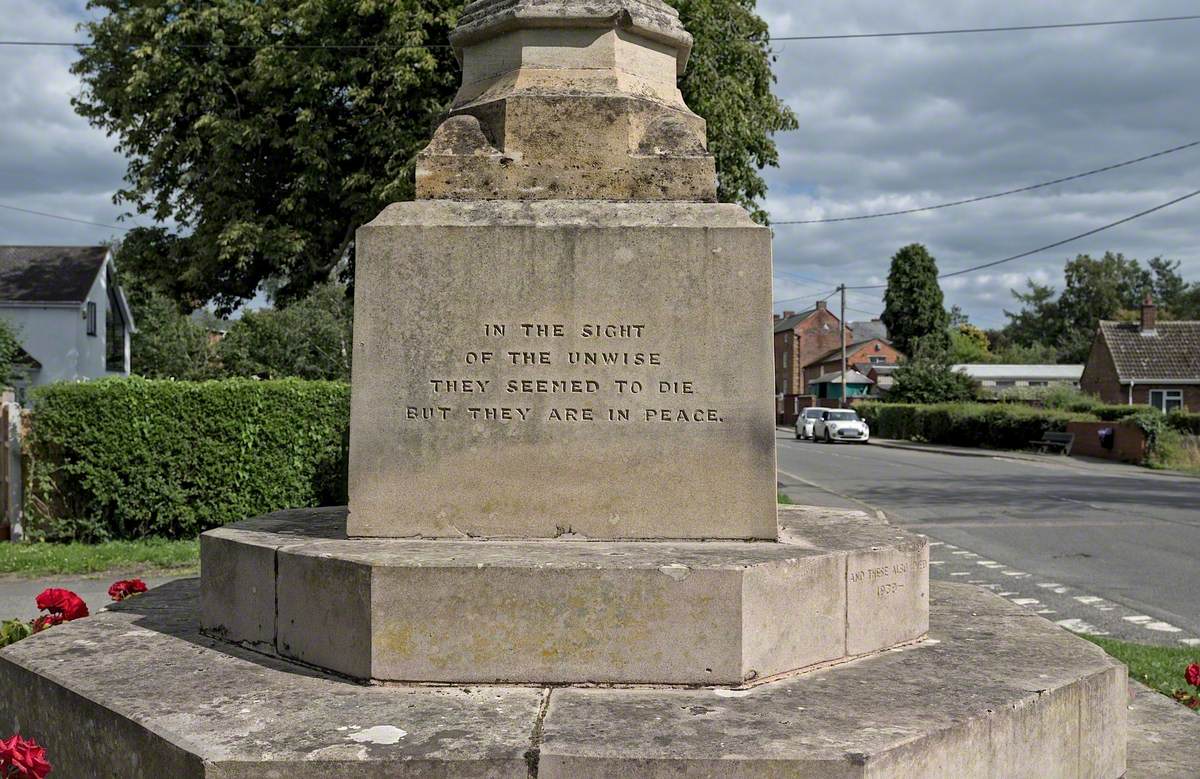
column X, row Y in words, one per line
column 56, row 336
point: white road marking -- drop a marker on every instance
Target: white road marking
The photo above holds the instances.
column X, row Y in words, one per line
column 1190, row 641
column 990, row 564
column 1079, row 626
column 1006, row 594
column 1088, row 600
column 1140, row 619
column 960, row 573
column 1047, row 611
column 1016, row 574
column 951, row 546
column 1027, row 601
column 1162, row 627
column 1049, row 585
column 936, row 543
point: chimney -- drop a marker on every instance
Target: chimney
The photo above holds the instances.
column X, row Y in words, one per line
column 1149, row 315
column 778, row 317
column 821, row 305
column 788, row 314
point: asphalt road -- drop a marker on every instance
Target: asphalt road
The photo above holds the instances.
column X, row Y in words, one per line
column 1099, row 548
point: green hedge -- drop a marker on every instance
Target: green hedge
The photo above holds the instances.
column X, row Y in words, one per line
column 1183, row 422
column 1117, row 413
column 127, row 458
column 992, row 426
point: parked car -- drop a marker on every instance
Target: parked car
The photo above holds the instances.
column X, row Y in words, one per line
column 841, row 425
column 806, row 420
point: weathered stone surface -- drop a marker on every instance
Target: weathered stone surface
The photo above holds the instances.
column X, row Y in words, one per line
column 690, row 285
column 1164, row 737
column 1001, row 693
column 569, row 611
column 137, row 692
column 572, row 100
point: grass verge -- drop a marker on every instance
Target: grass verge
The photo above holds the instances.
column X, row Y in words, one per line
column 784, row 500
column 1159, row 667
column 42, row 559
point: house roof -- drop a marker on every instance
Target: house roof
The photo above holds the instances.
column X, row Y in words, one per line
column 1015, row 372
column 1170, row 352
column 849, row 348
column 49, row 274
column 783, row 325
column 852, row 377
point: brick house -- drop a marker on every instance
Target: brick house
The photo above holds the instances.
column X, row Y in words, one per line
column 860, row 356
column 1152, row 362
column 800, row 338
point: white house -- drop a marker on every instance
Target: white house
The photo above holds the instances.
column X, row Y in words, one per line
column 1002, row 377
column 68, row 312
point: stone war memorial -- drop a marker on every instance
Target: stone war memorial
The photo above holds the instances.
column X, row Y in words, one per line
column 562, row 555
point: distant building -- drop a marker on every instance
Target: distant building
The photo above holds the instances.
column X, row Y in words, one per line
column 829, row 387
column 800, row 338
column 1152, row 362
column 1002, row 377
column 860, row 355
column 68, row 312
column 867, row 329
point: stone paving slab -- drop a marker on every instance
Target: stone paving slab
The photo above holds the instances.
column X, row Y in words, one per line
column 138, row 692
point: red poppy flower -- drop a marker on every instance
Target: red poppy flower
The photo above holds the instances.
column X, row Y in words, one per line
column 21, row 757
column 47, row 621
column 1192, row 674
column 121, row 590
column 62, row 602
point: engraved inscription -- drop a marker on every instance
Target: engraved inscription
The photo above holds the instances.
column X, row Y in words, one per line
column 887, row 580
column 549, row 363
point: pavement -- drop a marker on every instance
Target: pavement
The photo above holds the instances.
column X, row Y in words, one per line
column 1096, row 547
column 17, row 595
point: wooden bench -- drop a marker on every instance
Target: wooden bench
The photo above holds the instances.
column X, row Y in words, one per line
column 1061, row 441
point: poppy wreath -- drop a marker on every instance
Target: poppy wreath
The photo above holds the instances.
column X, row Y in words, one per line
column 126, row 588
column 20, row 757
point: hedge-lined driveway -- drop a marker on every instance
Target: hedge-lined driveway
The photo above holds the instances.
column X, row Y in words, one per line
column 1120, row 545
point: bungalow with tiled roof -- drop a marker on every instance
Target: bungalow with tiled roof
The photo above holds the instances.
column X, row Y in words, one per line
column 1151, row 362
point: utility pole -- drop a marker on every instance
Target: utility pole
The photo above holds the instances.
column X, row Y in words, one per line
column 842, row 324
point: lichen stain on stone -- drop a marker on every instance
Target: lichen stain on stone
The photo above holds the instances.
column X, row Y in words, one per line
column 384, row 735
column 676, row 571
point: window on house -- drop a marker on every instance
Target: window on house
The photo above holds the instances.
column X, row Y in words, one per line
column 1166, row 401
column 91, row 318
column 785, row 387
column 878, row 360
column 114, row 333
column 1039, row 384
column 785, row 359
column 1005, row 384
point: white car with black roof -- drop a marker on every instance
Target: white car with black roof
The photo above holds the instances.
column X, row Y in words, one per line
column 841, row 425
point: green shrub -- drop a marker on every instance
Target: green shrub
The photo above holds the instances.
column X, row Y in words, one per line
column 1118, row 413
column 1183, row 422
column 127, row 458
column 995, row 426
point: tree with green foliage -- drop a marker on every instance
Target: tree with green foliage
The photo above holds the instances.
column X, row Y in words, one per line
column 269, row 131
column 1094, row 289
column 310, row 339
column 969, row 344
column 930, row 378
column 168, row 343
column 914, row 310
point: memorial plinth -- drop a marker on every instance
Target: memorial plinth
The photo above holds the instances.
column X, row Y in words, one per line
column 563, row 368
column 562, row 555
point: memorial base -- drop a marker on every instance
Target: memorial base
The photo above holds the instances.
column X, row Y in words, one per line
column 138, row 692
column 839, row 585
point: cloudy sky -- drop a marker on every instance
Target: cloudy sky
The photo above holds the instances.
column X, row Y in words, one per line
column 885, row 124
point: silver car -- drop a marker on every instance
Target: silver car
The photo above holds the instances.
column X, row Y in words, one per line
column 806, row 420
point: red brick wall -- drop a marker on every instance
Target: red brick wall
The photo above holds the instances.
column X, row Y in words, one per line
column 1129, row 446
column 809, row 340
column 860, row 354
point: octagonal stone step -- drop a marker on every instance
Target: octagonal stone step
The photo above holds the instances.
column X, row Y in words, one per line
column 841, row 585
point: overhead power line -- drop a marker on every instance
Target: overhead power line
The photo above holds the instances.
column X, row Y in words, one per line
column 981, row 198
column 64, row 218
column 844, row 36
column 1054, row 245
column 966, row 30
